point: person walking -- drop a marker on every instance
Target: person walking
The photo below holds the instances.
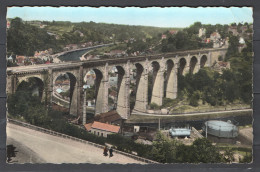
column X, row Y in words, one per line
column 105, row 151
column 110, row 152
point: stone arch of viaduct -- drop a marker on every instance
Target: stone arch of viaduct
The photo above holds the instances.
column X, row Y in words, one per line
column 183, row 62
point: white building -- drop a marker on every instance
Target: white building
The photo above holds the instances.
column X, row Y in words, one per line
column 102, row 129
column 241, row 40
column 202, row 32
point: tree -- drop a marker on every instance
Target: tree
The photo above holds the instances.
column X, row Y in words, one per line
column 229, row 156
column 220, row 58
column 233, row 47
column 25, row 39
column 37, row 115
column 90, row 93
column 22, row 100
column 164, row 150
column 246, row 159
column 195, row 98
column 204, row 151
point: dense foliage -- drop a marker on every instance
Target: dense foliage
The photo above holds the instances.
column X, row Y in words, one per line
column 105, row 32
column 220, row 89
column 187, row 39
column 24, row 39
column 128, row 145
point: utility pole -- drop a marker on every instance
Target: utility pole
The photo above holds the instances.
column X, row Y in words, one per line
column 84, row 105
column 159, row 125
column 206, row 129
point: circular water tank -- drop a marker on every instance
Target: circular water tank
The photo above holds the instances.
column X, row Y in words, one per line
column 221, row 128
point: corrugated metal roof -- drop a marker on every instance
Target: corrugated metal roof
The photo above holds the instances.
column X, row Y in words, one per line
column 179, row 131
column 220, row 125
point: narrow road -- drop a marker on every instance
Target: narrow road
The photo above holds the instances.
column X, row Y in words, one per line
column 37, row 147
column 190, row 114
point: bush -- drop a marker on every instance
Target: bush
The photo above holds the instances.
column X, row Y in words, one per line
column 59, row 124
column 128, row 145
column 220, row 58
column 154, row 106
column 169, row 102
column 246, row 159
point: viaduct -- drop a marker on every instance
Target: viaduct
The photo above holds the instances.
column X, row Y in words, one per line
column 171, row 63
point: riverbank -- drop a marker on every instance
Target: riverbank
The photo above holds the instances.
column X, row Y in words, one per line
column 75, row 55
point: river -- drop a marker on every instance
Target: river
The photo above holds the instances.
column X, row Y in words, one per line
column 75, row 55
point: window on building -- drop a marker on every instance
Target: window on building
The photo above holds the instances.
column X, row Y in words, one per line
column 98, row 133
column 95, row 132
column 102, row 134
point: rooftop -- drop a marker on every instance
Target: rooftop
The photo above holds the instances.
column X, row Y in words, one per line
column 105, row 127
column 108, row 117
column 88, row 126
column 179, row 131
column 220, row 125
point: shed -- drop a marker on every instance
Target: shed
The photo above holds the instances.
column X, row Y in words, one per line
column 179, row 132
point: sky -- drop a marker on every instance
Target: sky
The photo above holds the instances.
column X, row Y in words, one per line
column 153, row 16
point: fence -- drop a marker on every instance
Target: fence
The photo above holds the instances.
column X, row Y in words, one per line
column 183, row 112
column 60, row 101
column 54, row 133
column 216, row 109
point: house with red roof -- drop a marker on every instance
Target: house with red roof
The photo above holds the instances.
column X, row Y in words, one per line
column 20, row 60
column 173, row 32
column 164, row 36
column 102, row 129
column 215, row 36
column 8, row 24
column 207, row 40
column 48, row 62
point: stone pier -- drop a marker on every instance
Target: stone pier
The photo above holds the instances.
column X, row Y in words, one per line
column 141, row 100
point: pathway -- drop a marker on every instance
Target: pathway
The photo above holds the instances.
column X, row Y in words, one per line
column 190, row 114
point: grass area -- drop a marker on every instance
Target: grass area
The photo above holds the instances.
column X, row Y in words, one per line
column 102, row 50
column 246, row 126
column 184, row 107
column 134, row 118
column 60, row 29
column 236, row 149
